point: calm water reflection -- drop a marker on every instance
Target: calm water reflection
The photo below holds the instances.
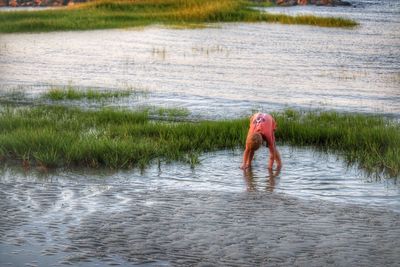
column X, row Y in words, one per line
column 251, row 183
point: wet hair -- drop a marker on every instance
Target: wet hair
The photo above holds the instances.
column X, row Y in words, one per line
column 255, row 141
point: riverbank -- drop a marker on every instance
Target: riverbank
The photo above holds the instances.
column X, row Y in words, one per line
column 125, row 14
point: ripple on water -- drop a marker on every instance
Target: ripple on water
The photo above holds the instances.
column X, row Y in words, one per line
column 225, row 72
column 170, row 214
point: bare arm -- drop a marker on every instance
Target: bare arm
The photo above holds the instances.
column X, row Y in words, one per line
column 246, row 157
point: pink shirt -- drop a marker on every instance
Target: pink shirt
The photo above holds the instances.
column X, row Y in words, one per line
column 265, row 125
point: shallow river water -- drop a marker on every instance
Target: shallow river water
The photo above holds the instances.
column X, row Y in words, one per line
column 316, row 212
column 214, row 214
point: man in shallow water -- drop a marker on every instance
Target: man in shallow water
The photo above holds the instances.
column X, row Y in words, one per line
column 262, row 128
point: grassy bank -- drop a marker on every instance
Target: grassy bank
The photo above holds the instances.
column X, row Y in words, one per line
column 60, row 136
column 106, row 14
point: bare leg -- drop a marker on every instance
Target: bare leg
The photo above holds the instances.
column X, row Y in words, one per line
column 271, row 161
column 278, row 160
column 251, row 156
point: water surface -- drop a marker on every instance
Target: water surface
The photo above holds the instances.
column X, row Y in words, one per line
column 229, row 70
column 171, row 215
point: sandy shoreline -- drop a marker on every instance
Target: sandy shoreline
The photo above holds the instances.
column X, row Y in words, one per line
column 53, row 224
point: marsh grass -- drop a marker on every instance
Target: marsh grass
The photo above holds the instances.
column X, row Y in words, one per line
column 106, row 14
column 72, row 93
column 55, row 136
column 371, row 142
column 66, row 137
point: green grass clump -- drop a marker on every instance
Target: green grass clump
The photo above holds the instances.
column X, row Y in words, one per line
column 71, row 93
column 54, row 136
column 60, row 136
column 106, row 14
column 372, row 142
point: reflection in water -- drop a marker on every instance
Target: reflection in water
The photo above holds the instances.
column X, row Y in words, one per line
column 251, row 184
column 306, row 174
column 249, row 179
column 272, row 176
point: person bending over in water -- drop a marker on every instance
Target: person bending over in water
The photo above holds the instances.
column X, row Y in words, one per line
column 262, row 127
